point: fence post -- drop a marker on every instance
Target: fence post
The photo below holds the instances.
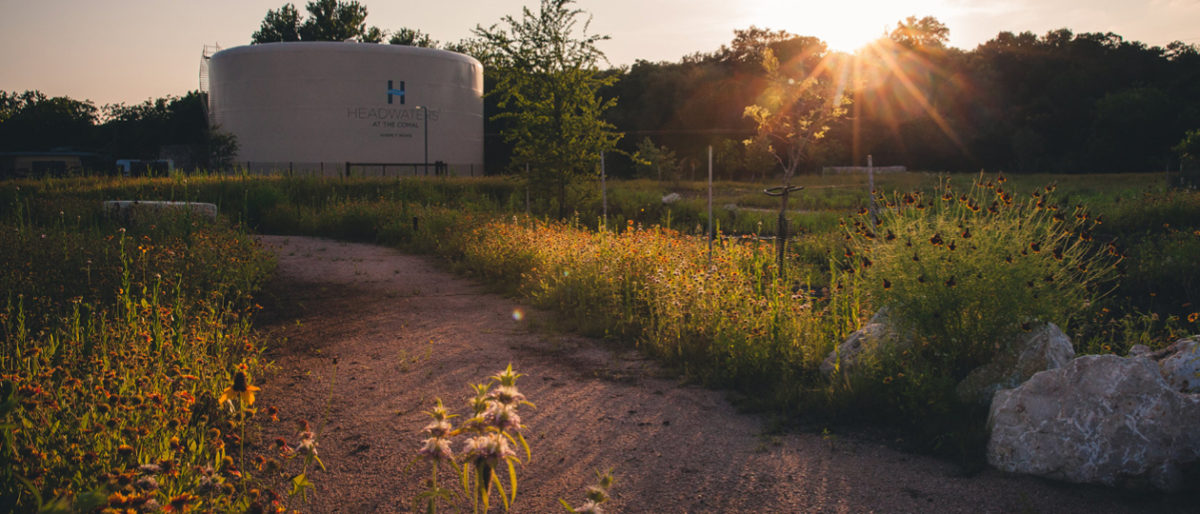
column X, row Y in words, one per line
column 711, row 235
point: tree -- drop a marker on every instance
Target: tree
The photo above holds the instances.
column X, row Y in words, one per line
column 412, row 37
column 795, row 111
column 33, row 121
column 549, row 95
column 650, row 160
column 281, row 25
column 926, row 32
column 328, row 20
column 1189, row 147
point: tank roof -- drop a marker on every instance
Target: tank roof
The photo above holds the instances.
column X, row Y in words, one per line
column 333, row 47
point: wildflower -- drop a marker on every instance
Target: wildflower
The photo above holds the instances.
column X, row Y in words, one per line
column 887, row 284
column 507, row 395
column 436, row 448
column 241, row 389
column 438, row 428
column 502, row 416
column 147, row 483
column 180, row 503
column 936, row 240
column 589, row 507
column 488, row 449
column 308, row 443
column 1193, row 317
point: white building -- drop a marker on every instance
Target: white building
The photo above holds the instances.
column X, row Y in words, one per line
column 330, row 107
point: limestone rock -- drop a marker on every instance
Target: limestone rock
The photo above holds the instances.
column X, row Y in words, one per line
column 1180, row 365
column 877, row 332
column 1138, row 350
column 1046, row 347
column 1099, row 419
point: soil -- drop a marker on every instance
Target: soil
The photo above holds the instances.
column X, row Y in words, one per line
column 367, row 337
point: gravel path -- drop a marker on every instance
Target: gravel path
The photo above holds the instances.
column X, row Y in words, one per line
column 404, row 332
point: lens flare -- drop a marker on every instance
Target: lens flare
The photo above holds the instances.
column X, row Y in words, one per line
column 518, row 314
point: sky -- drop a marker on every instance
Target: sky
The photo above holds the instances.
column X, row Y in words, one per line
column 128, row 51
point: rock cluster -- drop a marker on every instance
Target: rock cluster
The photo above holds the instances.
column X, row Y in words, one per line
column 1100, row 419
column 1121, row 421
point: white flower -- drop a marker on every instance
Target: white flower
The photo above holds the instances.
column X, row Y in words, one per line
column 438, row 428
column 507, row 395
column 589, row 507
column 502, row 416
column 436, row 448
column 308, row 444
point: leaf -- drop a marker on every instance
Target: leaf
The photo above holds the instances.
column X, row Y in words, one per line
column 301, row 484
column 512, row 479
column 566, row 505
column 525, row 445
column 494, row 478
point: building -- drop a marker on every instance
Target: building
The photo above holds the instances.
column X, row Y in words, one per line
column 363, row 108
column 51, row 163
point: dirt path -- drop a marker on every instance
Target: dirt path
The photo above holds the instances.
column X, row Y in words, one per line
column 405, row 332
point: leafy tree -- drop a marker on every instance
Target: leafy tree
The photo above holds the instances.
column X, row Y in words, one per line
column 926, row 32
column 221, row 148
column 333, row 20
column 794, row 112
column 1189, row 147
column 549, row 95
column 281, row 25
column 412, row 37
column 651, row 160
column 33, row 121
column 328, row 20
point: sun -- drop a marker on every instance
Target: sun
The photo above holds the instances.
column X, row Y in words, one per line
column 846, row 25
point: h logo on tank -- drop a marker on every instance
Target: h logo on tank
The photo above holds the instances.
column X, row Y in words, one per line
column 395, row 92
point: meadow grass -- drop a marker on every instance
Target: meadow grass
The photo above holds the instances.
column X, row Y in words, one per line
column 121, row 345
column 644, row 276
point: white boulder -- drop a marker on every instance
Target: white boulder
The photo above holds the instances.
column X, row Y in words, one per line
column 1099, row 419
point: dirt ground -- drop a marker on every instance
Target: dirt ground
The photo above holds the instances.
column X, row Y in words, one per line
column 404, row 332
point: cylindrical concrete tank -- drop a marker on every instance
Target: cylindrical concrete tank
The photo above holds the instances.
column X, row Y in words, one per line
column 334, row 107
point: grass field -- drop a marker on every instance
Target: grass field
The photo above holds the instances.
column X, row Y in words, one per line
column 150, row 322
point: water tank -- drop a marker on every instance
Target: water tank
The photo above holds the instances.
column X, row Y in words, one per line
column 331, row 107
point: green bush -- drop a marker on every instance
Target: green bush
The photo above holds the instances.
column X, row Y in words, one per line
column 967, row 271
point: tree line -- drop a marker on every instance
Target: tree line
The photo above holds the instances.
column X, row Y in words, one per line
column 1059, row 102
column 172, row 126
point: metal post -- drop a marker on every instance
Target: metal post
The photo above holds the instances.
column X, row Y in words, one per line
column 425, row 122
column 782, row 234
column 711, row 235
column 871, row 188
column 603, row 190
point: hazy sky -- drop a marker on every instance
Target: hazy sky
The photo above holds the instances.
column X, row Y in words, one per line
column 112, row 51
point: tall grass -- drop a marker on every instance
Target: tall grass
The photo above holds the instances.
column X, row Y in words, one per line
column 117, row 344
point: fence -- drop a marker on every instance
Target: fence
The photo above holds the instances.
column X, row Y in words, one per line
column 361, row 169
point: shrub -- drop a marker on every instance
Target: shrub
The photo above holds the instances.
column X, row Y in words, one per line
column 963, row 274
column 967, row 271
